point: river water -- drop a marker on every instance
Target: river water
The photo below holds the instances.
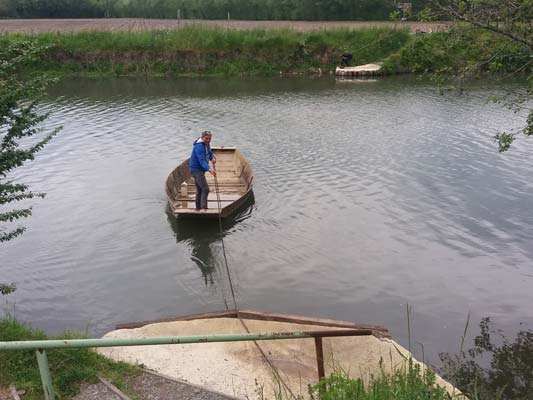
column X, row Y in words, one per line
column 368, row 195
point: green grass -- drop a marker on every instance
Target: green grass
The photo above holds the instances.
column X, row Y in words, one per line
column 407, row 384
column 195, row 51
column 68, row 367
column 210, row 51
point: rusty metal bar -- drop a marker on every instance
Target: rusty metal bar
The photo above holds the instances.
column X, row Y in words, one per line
column 320, row 358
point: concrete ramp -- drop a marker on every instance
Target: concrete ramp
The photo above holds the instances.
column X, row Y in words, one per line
column 258, row 369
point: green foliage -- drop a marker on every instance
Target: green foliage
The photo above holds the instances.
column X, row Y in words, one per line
column 7, row 288
column 502, row 42
column 68, row 367
column 511, row 19
column 407, row 384
column 395, row 15
column 427, row 53
column 508, row 375
column 465, row 51
column 426, row 15
column 504, row 140
column 19, row 120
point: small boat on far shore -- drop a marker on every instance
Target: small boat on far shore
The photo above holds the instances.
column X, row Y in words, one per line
column 234, row 178
column 360, row 70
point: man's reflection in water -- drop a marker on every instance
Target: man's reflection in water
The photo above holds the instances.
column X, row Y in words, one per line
column 200, row 235
column 203, row 236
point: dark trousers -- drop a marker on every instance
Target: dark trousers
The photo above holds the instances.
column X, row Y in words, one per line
column 202, row 189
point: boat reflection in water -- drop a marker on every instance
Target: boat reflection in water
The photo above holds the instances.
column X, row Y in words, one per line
column 202, row 236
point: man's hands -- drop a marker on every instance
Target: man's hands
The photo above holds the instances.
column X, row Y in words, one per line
column 212, row 171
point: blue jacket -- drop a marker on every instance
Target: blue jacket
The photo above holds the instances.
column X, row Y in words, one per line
column 200, row 156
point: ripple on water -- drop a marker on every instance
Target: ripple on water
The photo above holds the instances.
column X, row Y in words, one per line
column 381, row 191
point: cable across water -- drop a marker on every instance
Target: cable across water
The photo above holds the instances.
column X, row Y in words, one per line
column 274, row 370
column 222, row 241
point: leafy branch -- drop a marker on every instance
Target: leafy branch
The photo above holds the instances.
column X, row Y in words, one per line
column 20, row 123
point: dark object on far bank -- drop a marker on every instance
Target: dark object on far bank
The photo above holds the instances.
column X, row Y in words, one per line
column 345, row 59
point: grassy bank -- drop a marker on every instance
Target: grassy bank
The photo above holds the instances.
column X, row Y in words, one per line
column 208, row 51
column 215, row 51
column 68, row 367
column 199, row 50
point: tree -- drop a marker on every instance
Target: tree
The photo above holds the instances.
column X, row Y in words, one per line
column 21, row 137
column 510, row 18
column 512, row 21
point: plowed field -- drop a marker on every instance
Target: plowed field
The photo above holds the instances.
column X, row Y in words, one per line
column 137, row 24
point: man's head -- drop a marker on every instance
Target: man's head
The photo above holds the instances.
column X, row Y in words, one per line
column 206, row 136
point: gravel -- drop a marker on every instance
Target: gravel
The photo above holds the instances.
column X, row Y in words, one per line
column 147, row 386
column 152, row 387
column 96, row 391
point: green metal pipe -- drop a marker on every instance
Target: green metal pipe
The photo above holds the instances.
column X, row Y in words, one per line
column 111, row 342
column 46, row 379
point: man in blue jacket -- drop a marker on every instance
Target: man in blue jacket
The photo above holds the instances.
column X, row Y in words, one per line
column 199, row 165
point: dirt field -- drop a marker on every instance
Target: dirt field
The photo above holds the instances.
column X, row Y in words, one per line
column 136, row 24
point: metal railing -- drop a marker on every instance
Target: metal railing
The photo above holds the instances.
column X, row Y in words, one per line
column 40, row 346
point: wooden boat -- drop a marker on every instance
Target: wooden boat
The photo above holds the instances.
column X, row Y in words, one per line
column 234, row 177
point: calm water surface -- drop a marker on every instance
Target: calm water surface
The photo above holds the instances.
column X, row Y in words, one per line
column 368, row 196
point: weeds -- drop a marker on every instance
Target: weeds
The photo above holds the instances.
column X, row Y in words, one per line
column 403, row 384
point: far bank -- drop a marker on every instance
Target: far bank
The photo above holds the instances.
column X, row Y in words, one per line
column 214, row 51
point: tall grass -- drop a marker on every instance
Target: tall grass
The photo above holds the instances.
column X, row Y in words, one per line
column 409, row 383
column 213, row 51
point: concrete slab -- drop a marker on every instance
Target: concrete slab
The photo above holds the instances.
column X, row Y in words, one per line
column 360, row 70
column 239, row 368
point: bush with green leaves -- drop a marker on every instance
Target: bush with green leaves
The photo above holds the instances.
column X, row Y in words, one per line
column 19, row 121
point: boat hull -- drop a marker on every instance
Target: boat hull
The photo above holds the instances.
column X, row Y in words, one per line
column 228, row 193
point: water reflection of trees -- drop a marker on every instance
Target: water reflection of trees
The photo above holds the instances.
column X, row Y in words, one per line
column 202, row 236
column 495, row 368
